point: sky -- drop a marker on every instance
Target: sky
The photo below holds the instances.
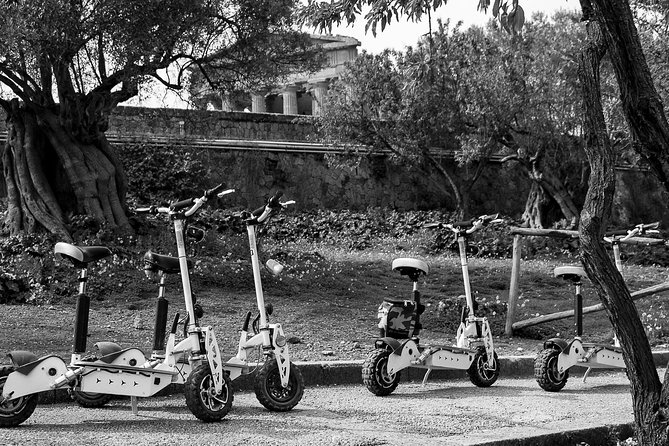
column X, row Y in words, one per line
column 401, row 34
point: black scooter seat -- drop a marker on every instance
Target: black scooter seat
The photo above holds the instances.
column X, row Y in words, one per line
column 81, row 256
column 166, row 264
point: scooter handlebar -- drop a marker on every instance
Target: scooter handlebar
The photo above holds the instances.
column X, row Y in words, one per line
column 467, row 226
column 182, row 204
column 152, row 210
column 640, row 229
column 273, row 204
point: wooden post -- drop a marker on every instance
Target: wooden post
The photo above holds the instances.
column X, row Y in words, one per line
column 513, row 286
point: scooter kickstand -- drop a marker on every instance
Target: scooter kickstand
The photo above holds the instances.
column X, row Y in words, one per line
column 133, row 405
column 427, row 374
column 587, row 372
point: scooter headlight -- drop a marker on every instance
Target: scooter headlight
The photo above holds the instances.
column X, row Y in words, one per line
column 280, row 341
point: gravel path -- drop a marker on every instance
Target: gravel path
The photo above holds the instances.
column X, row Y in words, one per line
column 446, row 413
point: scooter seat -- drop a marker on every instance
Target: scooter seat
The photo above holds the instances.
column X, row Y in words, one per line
column 570, row 272
column 166, row 264
column 410, row 267
column 81, row 256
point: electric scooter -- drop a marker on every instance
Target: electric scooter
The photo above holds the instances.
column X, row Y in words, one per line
column 278, row 384
column 126, row 372
column 399, row 347
column 552, row 364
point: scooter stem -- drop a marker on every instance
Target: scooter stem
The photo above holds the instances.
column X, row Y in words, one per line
column 255, row 264
column 185, row 281
column 465, row 274
column 616, row 256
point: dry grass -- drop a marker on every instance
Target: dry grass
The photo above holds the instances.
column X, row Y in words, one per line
column 326, row 300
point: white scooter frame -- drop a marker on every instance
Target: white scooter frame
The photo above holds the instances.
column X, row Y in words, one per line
column 552, row 365
column 279, row 385
column 474, row 350
column 119, row 371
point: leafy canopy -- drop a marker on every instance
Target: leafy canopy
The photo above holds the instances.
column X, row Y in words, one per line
column 54, row 50
column 322, row 15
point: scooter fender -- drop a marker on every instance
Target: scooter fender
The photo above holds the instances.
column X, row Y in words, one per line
column 557, row 343
column 32, row 377
column 404, row 352
column 571, row 355
column 391, row 343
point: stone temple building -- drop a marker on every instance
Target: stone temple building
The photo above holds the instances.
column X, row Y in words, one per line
column 301, row 94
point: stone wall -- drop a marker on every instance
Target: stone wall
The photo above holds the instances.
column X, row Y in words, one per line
column 134, row 121
column 309, row 179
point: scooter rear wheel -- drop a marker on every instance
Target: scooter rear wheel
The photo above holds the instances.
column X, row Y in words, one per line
column 90, row 400
column 480, row 373
column 201, row 396
column 15, row 412
column 546, row 371
column 272, row 394
column 375, row 374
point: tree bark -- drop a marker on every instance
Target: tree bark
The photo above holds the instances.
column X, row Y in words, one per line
column 649, row 403
column 640, row 100
column 544, row 183
column 534, row 205
column 50, row 175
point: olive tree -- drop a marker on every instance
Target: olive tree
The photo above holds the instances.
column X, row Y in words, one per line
column 67, row 63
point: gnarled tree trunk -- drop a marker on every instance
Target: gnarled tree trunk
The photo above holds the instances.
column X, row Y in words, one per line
column 648, row 394
column 51, row 174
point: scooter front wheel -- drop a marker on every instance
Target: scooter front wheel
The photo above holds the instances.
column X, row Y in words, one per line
column 90, row 400
column 272, row 394
column 375, row 373
column 201, row 396
column 15, row 412
column 480, row 373
column 546, row 371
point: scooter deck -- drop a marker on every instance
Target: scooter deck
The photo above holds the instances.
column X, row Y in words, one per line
column 604, row 346
column 121, row 367
column 450, row 348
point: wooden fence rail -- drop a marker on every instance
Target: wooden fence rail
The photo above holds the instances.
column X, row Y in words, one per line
column 514, row 285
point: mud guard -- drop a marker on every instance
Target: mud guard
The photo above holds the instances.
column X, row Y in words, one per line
column 22, row 357
column 404, row 353
column 557, row 343
column 107, row 347
column 33, row 377
column 395, row 345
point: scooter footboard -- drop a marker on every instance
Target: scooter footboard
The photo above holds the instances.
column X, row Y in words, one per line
column 448, row 359
column 128, row 381
column 34, row 377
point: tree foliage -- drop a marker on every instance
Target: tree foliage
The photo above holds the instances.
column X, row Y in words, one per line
column 474, row 93
column 66, row 64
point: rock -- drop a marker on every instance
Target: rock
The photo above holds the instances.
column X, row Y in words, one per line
column 138, row 323
column 327, row 353
column 294, row 340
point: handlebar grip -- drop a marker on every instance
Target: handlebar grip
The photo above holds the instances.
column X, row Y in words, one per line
column 258, row 212
column 145, row 210
column 182, row 204
column 212, row 192
column 653, row 225
column 464, row 223
column 616, row 232
column 274, row 201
